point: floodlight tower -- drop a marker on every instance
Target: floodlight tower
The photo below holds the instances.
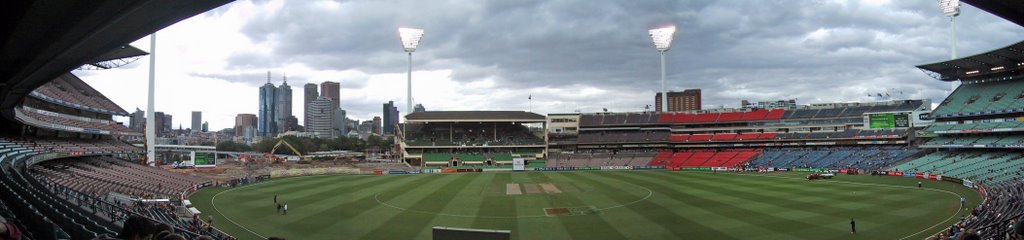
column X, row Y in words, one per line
column 951, row 8
column 150, row 115
column 662, row 38
column 410, row 40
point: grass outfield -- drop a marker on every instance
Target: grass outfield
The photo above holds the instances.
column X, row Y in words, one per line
column 606, row 204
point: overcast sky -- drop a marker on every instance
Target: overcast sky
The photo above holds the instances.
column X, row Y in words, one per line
column 568, row 54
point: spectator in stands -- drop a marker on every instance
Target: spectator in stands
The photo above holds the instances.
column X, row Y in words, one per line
column 137, row 228
column 8, row 230
column 1019, row 228
column 969, row 235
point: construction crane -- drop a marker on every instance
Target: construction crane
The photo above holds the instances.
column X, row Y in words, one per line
column 278, row 145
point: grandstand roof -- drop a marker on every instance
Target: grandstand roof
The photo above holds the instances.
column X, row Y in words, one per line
column 42, row 40
column 1007, row 60
column 1012, row 10
column 70, row 91
column 123, row 52
column 475, row 116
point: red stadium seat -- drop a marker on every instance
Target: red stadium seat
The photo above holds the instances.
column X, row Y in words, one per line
column 701, row 137
column 666, row 117
column 730, row 116
column 683, row 118
column 723, row 137
column 775, row 114
column 706, row 117
column 758, row 114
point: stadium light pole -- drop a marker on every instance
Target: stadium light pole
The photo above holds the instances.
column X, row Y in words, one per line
column 951, row 8
column 662, row 38
column 150, row 115
column 410, row 40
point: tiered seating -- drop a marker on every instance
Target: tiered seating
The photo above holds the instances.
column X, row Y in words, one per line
column 34, row 117
column 983, row 98
column 437, row 157
column 721, row 137
column 989, row 140
column 611, row 119
column 471, row 135
column 833, row 157
column 986, row 166
column 470, row 157
column 988, row 126
column 706, row 117
column 69, row 90
column 850, row 112
column 701, row 158
column 622, row 137
column 102, row 175
column 730, row 117
column 754, row 115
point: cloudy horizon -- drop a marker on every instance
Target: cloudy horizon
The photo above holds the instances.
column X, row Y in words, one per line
column 568, row 54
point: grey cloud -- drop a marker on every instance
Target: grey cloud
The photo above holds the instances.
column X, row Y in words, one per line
column 734, row 50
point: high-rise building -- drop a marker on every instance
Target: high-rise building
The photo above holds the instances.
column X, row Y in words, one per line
column 321, row 117
column 340, row 124
column 283, row 106
column 375, row 129
column 137, row 121
column 168, row 123
column 332, row 90
column 309, row 93
column 686, row 100
column 197, row 121
column 291, row 124
column 266, row 126
column 206, row 127
column 390, row 118
column 419, row 108
column 158, row 120
column 244, row 122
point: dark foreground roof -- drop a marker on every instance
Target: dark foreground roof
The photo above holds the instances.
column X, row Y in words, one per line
column 1007, row 61
column 1012, row 10
column 41, row 40
column 475, row 116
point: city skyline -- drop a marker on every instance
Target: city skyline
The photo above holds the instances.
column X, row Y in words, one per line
column 731, row 50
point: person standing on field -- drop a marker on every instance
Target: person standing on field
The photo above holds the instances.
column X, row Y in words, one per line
column 853, row 226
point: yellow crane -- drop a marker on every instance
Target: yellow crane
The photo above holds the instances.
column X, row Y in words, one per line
column 282, row 142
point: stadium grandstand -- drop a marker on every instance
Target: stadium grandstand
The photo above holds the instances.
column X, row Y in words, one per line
column 472, row 139
column 66, row 171
column 977, row 134
column 858, row 135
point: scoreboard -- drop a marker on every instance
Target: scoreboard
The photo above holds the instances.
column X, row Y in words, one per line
column 887, row 120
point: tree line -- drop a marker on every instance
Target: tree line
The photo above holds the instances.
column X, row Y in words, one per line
column 307, row 145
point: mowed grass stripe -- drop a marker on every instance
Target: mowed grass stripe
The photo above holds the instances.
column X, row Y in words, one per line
column 499, row 208
column 802, row 195
column 300, row 219
column 583, row 226
column 640, row 220
column 708, row 217
column 779, row 208
column 257, row 211
column 871, row 215
column 332, row 214
column 408, row 224
column 467, row 203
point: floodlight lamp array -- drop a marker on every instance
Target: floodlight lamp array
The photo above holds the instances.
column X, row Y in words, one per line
column 410, row 38
column 951, row 8
column 662, row 37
